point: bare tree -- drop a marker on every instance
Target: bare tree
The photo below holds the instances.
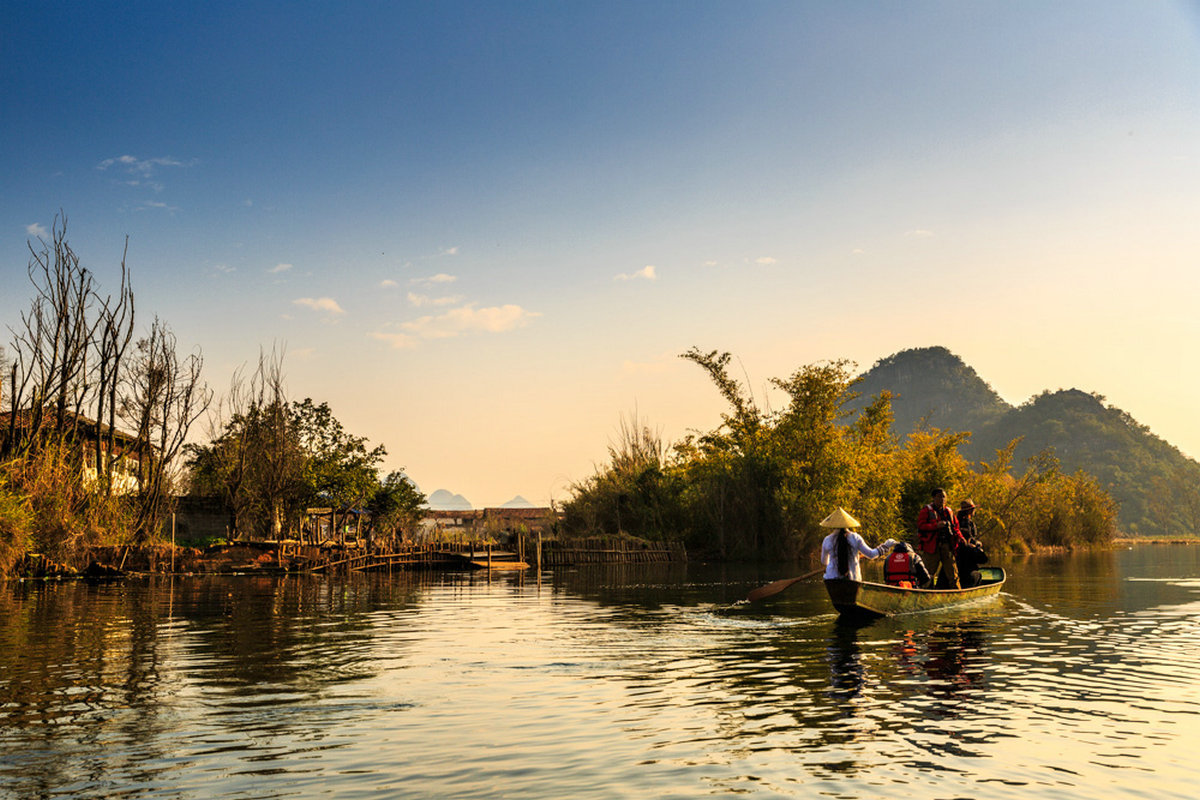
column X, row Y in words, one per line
column 165, row 396
column 279, row 458
column 113, row 336
column 51, row 347
column 72, row 380
column 247, row 435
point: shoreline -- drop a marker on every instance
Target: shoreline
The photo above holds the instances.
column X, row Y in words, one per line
column 1132, row 540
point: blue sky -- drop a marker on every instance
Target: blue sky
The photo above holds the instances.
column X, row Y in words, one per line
column 485, row 231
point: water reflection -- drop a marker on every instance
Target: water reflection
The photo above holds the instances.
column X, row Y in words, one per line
column 846, row 668
column 598, row 684
column 89, row 670
column 956, row 651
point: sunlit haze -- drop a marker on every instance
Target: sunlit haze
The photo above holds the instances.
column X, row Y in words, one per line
column 484, row 232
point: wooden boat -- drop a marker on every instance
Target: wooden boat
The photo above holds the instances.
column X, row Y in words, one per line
column 856, row 600
column 498, row 564
column 492, row 560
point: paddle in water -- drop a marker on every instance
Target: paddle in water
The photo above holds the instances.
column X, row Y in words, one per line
column 778, row 586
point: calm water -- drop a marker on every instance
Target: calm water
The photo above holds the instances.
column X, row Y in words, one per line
column 1082, row 680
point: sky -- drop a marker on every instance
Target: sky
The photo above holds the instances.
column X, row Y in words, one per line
column 484, row 232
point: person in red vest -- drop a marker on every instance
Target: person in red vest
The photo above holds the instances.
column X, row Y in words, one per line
column 904, row 568
column 940, row 538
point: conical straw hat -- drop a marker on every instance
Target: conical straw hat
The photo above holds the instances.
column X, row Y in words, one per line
column 839, row 519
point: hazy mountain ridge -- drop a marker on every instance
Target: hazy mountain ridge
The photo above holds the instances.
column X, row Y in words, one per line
column 1157, row 486
column 445, row 500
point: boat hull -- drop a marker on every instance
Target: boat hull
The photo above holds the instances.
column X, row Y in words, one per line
column 855, row 600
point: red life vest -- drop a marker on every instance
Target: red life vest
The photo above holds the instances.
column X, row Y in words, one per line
column 897, row 569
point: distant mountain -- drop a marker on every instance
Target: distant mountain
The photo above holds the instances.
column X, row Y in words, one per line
column 442, row 500
column 518, row 502
column 1157, row 486
column 932, row 386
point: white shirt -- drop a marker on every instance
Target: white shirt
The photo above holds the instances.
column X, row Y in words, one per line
column 858, row 549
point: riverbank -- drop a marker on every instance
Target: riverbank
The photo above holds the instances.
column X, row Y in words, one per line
column 108, row 562
column 517, row 552
column 1129, row 541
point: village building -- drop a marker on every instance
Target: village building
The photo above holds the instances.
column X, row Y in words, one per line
column 114, row 447
column 478, row 522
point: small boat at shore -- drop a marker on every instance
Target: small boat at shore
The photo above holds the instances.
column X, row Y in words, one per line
column 859, row 601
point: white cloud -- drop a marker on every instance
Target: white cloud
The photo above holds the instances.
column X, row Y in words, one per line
column 766, row 260
column 441, row 277
column 320, row 304
column 388, row 283
column 156, row 204
column 858, row 251
column 279, row 268
column 710, row 263
column 645, row 273
column 425, row 300
column 225, row 268
column 919, row 234
column 450, row 251
column 457, row 322
column 142, row 166
column 468, row 319
column 141, row 172
column 36, row 229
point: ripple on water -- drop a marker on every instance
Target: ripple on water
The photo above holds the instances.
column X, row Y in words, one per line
column 471, row 689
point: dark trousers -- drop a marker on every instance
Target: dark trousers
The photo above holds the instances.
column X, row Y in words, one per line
column 942, row 559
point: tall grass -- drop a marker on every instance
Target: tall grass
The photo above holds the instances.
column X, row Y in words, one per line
column 46, row 508
column 14, row 528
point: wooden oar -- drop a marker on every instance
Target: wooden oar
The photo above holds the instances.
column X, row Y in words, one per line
column 778, row 586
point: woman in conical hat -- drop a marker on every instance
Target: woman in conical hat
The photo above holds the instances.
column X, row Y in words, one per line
column 841, row 550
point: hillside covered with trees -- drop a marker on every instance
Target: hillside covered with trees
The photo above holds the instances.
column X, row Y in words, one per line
column 1155, row 485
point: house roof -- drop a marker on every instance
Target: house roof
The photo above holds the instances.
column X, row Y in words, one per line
column 90, row 426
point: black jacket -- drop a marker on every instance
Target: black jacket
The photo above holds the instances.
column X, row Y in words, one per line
column 969, row 556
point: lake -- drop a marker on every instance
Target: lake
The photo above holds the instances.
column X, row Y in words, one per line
column 1082, row 680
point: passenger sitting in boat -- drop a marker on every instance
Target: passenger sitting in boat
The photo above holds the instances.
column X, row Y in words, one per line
column 904, row 568
column 970, row 555
column 841, row 549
